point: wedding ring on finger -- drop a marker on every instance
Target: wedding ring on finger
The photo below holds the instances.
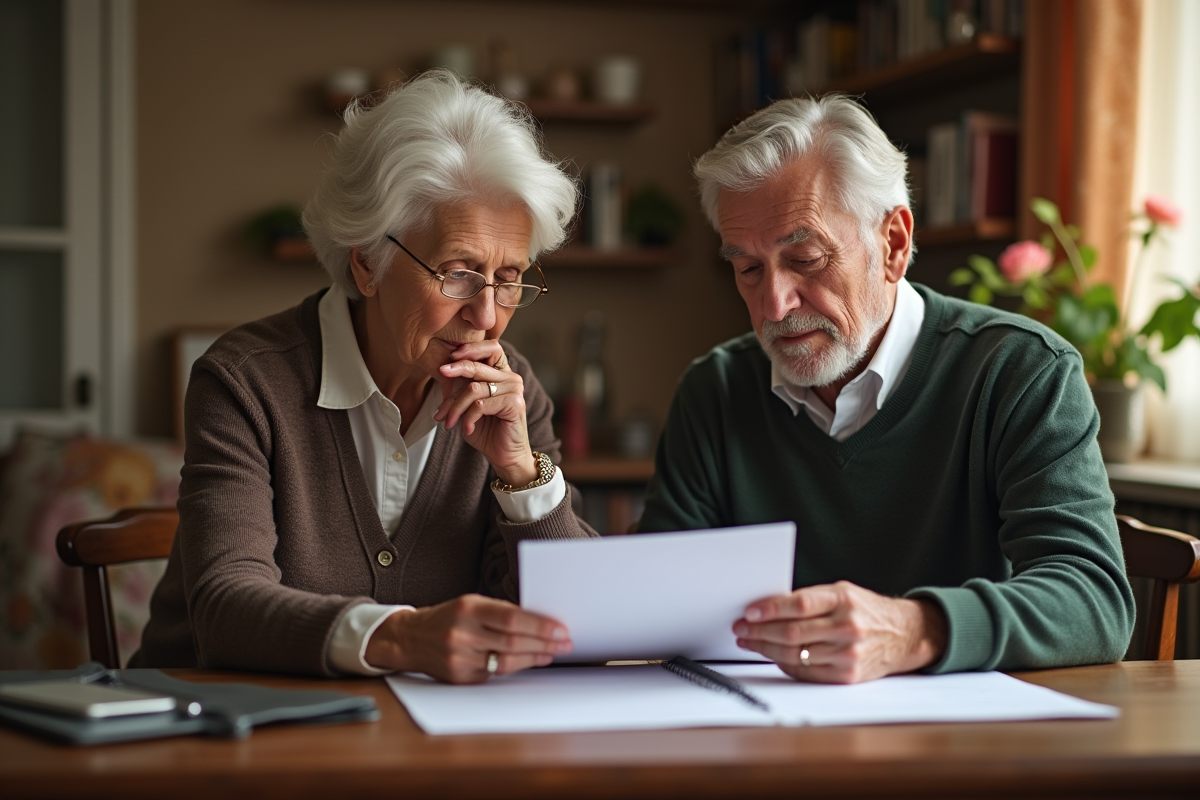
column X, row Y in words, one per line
column 493, row 662
column 502, row 363
column 491, row 389
column 804, row 655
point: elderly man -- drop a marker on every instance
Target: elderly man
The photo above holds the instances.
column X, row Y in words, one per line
column 939, row 458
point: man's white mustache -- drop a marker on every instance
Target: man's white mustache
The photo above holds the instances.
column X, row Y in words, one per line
column 797, row 323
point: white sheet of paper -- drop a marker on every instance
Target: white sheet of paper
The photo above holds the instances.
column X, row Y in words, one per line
column 648, row 697
column 657, row 595
column 564, row 699
column 957, row 697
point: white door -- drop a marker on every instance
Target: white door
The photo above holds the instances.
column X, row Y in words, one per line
column 52, row 332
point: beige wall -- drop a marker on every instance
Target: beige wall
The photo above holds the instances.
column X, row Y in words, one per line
column 227, row 126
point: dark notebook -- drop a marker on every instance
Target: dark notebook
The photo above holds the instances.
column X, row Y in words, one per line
column 221, row 709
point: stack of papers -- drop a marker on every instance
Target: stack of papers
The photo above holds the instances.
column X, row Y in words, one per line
column 554, row 700
column 678, row 594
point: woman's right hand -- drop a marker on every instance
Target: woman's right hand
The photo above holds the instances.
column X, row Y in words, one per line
column 451, row 641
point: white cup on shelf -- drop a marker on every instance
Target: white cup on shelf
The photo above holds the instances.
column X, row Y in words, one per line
column 617, row 79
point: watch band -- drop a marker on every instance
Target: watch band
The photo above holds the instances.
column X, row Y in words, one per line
column 546, row 471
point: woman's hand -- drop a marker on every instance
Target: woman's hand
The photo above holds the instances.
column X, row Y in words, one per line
column 452, row 641
column 492, row 419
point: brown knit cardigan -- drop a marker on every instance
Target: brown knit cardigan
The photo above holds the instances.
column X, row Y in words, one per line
column 278, row 536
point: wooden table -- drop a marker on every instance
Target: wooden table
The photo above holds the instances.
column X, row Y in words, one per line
column 1153, row 749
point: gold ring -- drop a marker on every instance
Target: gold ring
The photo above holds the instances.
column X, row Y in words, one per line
column 493, row 662
column 804, row 654
column 502, row 363
column 491, row 389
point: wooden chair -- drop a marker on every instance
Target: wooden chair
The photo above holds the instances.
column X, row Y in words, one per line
column 1169, row 558
column 132, row 534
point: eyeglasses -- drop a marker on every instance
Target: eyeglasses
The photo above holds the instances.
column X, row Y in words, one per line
column 463, row 284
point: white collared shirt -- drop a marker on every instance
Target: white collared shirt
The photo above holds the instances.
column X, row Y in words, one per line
column 391, row 463
column 860, row 399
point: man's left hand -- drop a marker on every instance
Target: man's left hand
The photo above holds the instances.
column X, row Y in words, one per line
column 843, row 633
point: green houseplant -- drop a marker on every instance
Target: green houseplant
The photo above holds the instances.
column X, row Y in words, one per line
column 1051, row 278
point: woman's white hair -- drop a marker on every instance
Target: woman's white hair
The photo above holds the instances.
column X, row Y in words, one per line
column 868, row 171
column 436, row 141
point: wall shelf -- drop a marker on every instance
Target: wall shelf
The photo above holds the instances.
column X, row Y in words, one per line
column 584, row 257
column 589, row 111
column 987, row 56
column 981, row 230
column 608, row 469
column 292, row 250
column 573, row 257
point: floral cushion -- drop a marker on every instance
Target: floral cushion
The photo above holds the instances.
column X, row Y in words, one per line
column 52, row 480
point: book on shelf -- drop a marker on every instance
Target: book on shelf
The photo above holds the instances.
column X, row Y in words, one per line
column 989, row 172
column 942, row 145
column 971, row 170
column 751, row 71
column 602, row 210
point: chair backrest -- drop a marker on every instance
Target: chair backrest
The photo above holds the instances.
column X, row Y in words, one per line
column 1169, row 558
column 132, row 534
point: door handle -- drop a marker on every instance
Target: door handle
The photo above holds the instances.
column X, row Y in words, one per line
column 83, row 390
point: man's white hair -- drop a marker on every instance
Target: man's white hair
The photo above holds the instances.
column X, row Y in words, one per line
column 868, row 171
column 435, row 141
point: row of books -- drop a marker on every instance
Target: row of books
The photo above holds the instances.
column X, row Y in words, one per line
column 888, row 31
column 751, row 71
column 757, row 66
column 969, row 171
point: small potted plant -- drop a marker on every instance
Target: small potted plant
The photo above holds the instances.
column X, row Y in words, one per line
column 653, row 218
column 1118, row 358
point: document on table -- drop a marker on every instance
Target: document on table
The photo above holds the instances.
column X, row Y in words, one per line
column 660, row 595
column 562, row 699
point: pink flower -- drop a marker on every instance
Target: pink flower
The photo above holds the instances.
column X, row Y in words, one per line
column 1021, row 261
column 1162, row 211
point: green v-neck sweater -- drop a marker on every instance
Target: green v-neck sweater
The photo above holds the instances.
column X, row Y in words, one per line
column 978, row 485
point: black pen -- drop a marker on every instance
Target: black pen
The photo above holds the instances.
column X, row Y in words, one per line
column 711, row 679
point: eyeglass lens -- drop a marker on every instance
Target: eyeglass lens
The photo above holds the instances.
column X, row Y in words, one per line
column 461, row 284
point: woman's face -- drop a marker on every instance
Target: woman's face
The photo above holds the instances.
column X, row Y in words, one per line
column 417, row 326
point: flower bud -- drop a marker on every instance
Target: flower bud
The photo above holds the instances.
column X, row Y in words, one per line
column 1162, row 211
column 1021, row 261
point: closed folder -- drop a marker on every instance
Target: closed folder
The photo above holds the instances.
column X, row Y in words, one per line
column 226, row 709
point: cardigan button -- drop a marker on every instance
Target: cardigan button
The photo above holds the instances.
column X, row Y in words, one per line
column 384, row 558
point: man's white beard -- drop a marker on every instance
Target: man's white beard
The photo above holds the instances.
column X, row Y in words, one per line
column 805, row 363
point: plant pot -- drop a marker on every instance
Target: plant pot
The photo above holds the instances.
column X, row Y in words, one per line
column 1122, row 420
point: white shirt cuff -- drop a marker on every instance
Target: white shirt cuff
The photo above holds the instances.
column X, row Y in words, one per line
column 530, row 505
column 348, row 647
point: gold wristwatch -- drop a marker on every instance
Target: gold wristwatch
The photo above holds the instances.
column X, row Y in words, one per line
column 545, row 469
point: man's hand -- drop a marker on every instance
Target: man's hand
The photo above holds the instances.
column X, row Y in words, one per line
column 451, row 641
column 851, row 634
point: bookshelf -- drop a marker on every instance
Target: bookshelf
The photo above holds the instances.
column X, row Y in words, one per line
column 986, row 57
column 953, row 106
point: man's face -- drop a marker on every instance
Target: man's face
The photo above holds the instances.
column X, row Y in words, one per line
column 819, row 300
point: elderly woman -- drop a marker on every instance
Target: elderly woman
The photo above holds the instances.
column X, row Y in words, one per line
column 360, row 469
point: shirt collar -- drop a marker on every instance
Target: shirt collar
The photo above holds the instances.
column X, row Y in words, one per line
column 345, row 380
column 886, row 368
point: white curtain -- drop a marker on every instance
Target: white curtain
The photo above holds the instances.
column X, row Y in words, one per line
column 1168, row 164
